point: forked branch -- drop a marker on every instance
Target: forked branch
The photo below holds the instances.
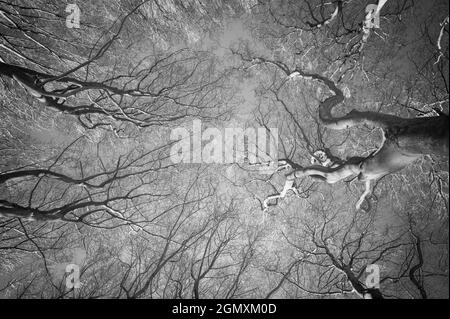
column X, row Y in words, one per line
column 404, row 140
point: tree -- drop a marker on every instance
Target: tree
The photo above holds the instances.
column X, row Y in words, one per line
column 93, row 206
column 404, row 140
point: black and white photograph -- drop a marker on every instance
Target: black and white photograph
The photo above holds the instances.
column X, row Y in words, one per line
column 223, row 156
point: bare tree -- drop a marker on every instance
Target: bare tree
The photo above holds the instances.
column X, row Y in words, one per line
column 87, row 182
column 404, row 140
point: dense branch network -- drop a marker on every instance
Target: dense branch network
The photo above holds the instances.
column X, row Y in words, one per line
column 404, row 139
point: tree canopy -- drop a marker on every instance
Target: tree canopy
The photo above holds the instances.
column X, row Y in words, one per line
column 86, row 174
